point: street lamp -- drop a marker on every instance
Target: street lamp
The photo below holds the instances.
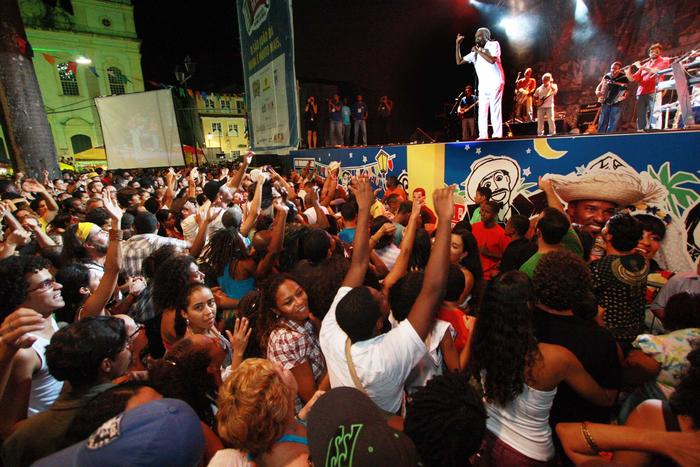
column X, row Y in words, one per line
column 182, row 74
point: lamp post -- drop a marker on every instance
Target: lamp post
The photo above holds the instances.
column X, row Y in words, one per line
column 182, row 74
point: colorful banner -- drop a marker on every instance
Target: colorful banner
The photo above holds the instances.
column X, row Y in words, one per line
column 267, row 49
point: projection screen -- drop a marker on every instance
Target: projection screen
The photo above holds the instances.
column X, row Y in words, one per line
column 140, row 130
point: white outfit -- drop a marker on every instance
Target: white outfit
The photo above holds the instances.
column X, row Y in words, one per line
column 389, row 254
column 229, row 458
column 382, row 363
column 545, row 112
column 311, row 214
column 431, row 363
column 189, row 228
column 491, row 81
column 524, row 423
column 45, row 388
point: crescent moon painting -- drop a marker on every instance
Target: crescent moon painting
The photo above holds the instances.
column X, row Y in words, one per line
column 545, row 150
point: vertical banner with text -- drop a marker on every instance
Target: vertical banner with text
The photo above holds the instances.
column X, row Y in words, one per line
column 267, row 50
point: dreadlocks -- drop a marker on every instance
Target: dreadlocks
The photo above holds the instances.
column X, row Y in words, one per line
column 224, row 245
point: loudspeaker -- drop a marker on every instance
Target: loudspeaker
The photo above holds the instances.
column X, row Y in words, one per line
column 530, row 128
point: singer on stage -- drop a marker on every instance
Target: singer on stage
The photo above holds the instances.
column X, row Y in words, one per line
column 486, row 57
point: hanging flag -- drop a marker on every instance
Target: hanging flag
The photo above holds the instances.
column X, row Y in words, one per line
column 94, row 70
column 49, row 58
column 189, row 91
column 73, row 68
column 21, row 44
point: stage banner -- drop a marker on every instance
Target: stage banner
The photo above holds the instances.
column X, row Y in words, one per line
column 659, row 171
column 378, row 162
column 267, row 51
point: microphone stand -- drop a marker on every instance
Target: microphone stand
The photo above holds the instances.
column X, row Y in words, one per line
column 515, row 95
column 454, row 106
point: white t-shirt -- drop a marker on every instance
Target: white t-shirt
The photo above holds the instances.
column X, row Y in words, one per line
column 490, row 74
column 311, row 214
column 189, row 228
column 382, row 363
column 541, row 92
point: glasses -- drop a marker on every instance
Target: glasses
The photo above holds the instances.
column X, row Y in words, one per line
column 44, row 286
column 132, row 337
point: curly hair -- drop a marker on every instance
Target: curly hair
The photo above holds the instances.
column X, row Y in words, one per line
column 183, row 374
column 682, row 311
column 686, row 399
column 322, row 282
column 73, row 248
column 561, row 280
column 249, row 306
column 76, row 351
column 626, row 231
column 446, row 420
column 170, row 282
column 13, row 283
column 152, row 263
column 224, row 246
column 72, row 277
column 254, row 407
column 505, row 323
column 268, row 320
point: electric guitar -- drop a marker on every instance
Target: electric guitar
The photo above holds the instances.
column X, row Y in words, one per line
column 463, row 110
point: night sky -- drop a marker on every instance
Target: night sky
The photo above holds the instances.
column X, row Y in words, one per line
column 402, row 48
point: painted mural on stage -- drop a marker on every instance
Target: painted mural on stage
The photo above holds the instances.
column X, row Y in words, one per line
column 657, row 173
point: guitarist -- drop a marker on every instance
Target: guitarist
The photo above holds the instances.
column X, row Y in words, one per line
column 544, row 100
column 524, row 88
column 466, row 114
column 611, row 91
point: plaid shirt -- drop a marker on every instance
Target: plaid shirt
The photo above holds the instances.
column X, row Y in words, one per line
column 292, row 344
column 140, row 247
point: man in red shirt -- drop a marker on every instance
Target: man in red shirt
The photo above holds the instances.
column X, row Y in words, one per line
column 491, row 239
column 646, row 91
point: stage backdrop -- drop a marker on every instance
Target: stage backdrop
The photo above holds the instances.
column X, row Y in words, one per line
column 511, row 168
column 267, row 50
column 140, row 130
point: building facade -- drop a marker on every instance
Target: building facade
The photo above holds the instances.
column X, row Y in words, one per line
column 223, row 124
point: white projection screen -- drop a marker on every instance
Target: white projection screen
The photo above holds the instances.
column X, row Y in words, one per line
column 140, row 130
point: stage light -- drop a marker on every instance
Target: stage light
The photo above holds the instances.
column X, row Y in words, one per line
column 83, row 60
column 581, row 12
column 521, row 29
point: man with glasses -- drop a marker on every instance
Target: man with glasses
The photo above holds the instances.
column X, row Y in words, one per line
column 25, row 282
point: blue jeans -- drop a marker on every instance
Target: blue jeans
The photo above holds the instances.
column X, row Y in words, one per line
column 360, row 126
column 645, row 110
column 609, row 118
column 336, row 136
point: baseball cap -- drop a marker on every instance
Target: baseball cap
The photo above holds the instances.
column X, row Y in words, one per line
column 232, row 217
column 344, row 424
column 162, row 432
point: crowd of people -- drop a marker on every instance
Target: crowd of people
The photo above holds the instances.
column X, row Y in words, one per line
column 222, row 317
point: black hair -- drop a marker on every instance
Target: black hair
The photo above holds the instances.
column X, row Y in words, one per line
column 405, row 208
column 98, row 216
column 145, row 223
column 52, row 254
column 561, row 280
column 505, row 323
column 128, row 220
column 349, row 210
column 357, row 314
column 13, row 283
column 455, row 283
column 553, row 225
column 682, row 311
column 124, row 196
column 446, row 419
column 316, row 244
column 268, row 319
column 322, row 282
column 34, row 204
column 520, row 223
column 626, row 231
column 374, row 226
column 686, row 398
column 586, row 238
column 170, row 281
column 332, row 228
column 76, row 351
column 404, row 293
column 472, row 261
column 420, row 253
column 152, row 205
column 485, row 192
column 62, row 220
column 180, row 324
column 152, row 262
column 224, row 246
column 652, row 224
column 211, row 190
column 72, row 277
column 495, row 206
column 99, row 409
column 201, row 199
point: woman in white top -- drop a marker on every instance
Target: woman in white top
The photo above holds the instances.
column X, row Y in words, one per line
column 520, row 376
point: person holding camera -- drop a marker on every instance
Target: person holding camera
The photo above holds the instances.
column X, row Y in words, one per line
column 384, row 118
column 311, row 117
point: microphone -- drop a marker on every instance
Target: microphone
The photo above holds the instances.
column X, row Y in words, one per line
column 460, row 95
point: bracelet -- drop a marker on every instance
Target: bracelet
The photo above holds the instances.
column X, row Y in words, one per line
column 116, row 234
column 589, row 439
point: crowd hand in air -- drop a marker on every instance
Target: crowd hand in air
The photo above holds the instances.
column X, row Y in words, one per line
column 362, row 190
column 16, row 329
column 136, row 285
column 444, row 202
column 112, row 209
column 418, row 203
column 240, row 336
column 32, row 186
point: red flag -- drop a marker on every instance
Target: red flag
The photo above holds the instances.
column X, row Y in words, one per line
column 189, row 91
column 49, row 58
column 73, row 68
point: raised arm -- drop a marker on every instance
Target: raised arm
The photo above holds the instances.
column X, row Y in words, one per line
column 95, row 304
column 236, row 178
column 276, row 242
column 355, row 276
column 553, row 200
column 201, row 238
column 409, row 235
column 33, row 186
column 254, row 210
column 423, row 311
column 458, row 52
column 170, row 183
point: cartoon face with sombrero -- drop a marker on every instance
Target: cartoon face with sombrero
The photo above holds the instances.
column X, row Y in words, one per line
column 500, row 174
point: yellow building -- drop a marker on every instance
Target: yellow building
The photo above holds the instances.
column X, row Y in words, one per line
column 223, row 124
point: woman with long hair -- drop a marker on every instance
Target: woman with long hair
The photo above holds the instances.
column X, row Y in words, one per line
column 288, row 337
column 464, row 252
column 520, row 376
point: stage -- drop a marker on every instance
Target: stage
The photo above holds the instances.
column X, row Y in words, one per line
column 511, row 168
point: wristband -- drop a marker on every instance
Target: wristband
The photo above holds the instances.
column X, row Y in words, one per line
column 589, row 439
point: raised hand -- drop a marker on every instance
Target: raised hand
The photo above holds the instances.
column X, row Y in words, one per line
column 363, row 191
column 224, row 172
column 15, row 329
column 545, row 184
column 240, row 336
column 112, row 208
column 459, row 39
column 418, row 203
column 443, row 202
column 249, row 157
column 32, row 186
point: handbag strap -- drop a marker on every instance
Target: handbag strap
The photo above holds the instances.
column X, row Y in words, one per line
column 351, row 366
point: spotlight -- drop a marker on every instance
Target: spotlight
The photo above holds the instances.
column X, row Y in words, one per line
column 83, row 60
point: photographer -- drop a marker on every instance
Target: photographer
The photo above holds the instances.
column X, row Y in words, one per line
column 311, row 119
column 384, row 118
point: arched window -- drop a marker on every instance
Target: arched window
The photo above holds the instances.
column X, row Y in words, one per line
column 69, row 83
column 80, row 143
column 116, row 80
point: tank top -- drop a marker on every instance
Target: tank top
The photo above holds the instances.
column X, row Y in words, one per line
column 45, row 388
column 523, row 424
column 234, row 288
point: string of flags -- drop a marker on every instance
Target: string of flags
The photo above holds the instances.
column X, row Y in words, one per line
column 72, row 67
